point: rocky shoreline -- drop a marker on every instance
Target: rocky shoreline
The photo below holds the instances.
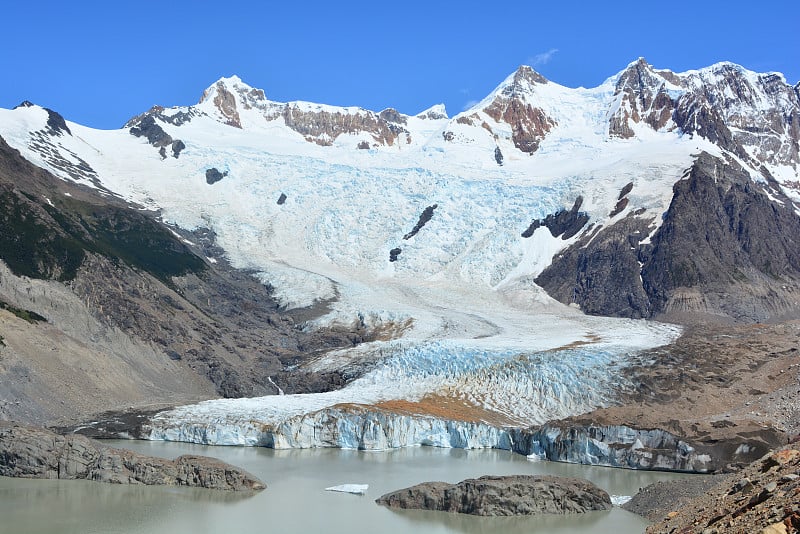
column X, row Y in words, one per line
column 30, row 452
column 763, row 497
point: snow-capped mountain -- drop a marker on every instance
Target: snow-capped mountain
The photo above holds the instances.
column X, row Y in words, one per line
column 309, row 194
column 455, row 254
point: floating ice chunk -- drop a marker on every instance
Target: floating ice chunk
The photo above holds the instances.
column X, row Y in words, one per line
column 537, row 457
column 619, row 500
column 355, row 489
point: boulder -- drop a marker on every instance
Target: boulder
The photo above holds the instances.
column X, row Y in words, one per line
column 31, row 452
column 503, row 496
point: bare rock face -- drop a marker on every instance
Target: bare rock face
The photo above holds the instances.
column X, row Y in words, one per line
column 213, row 175
column 503, row 496
column 317, row 124
column 147, row 126
column 529, row 124
column 725, row 248
column 565, row 223
column 30, row 452
column 601, row 272
column 323, row 126
column 759, row 112
column 643, row 99
column 225, row 102
column 755, row 116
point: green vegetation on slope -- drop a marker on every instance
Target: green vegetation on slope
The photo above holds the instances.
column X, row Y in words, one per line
column 46, row 241
column 26, row 315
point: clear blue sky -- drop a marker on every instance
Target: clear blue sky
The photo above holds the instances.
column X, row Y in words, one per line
column 99, row 63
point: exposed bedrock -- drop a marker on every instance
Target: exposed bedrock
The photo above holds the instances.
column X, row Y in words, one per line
column 726, row 248
column 424, row 218
column 564, row 224
column 602, row 274
column 31, row 452
column 503, row 496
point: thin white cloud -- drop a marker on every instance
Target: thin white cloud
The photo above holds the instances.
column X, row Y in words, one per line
column 469, row 104
column 542, row 59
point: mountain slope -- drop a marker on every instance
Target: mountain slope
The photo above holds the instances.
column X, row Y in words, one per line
column 318, row 200
column 103, row 307
column 727, row 247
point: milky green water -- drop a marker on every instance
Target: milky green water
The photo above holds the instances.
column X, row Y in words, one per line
column 295, row 499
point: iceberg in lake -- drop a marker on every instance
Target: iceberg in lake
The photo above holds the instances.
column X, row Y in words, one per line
column 355, row 489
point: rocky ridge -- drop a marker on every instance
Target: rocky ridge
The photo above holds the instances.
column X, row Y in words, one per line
column 30, row 452
column 752, row 115
column 503, row 496
column 724, row 249
column 230, row 97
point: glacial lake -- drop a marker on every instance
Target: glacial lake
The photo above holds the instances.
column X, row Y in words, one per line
column 295, row 500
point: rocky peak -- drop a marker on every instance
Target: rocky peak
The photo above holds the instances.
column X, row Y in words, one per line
column 514, row 104
column 434, row 113
column 753, row 115
column 229, row 96
column 642, row 96
column 392, row 115
column 56, row 125
column 523, row 81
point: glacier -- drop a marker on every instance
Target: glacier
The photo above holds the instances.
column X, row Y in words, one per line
column 502, row 394
column 475, row 353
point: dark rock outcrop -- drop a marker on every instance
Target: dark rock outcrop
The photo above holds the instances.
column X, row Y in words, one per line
column 503, row 496
column 724, row 237
column 394, row 254
column 564, row 223
column 600, row 271
column 147, row 127
column 31, row 452
column 427, row 215
column 727, row 246
column 498, row 155
column 56, row 125
column 213, row 175
column 177, row 146
column 282, row 199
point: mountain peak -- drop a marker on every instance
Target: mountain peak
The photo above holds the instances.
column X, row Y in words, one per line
column 230, row 94
column 434, row 112
column 526, row 75
column 231, row 84
column 640, row 63
column 514, row 102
